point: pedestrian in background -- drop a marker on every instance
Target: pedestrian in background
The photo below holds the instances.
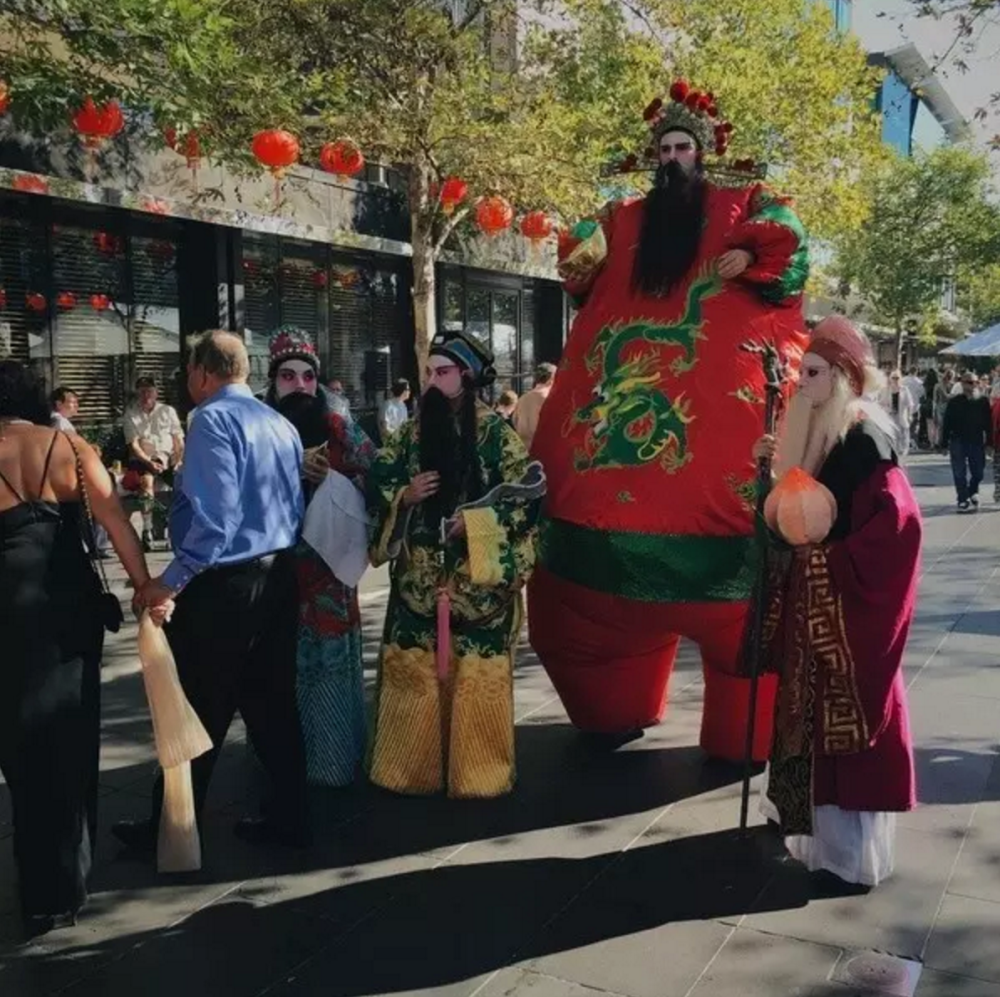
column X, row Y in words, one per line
column 966, row 432
column 529, row 406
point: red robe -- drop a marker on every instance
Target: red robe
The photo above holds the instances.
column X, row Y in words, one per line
column 839, row 621
column 646, row 439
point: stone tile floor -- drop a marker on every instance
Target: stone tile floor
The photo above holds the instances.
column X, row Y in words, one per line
column 603, row 872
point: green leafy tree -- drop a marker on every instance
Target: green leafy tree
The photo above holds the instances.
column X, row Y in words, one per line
column 933, row 217
column 979, row 296
column 522, row 99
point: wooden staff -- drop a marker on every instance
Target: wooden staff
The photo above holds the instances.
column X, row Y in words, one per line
column 774, row 373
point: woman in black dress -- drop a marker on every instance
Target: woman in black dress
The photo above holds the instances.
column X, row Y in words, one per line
column 51, row 636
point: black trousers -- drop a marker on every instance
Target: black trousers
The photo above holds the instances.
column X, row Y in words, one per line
column 968, row 464
column 234, row 635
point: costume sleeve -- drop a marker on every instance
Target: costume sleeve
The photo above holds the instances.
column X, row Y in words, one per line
column 583, row 251
column 780, row 246
column 502, row 536
column 875, row 571
column 386, row 480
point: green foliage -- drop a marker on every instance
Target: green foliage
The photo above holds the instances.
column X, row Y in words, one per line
column 526, row 99
column 979, row 295
column 933, row 218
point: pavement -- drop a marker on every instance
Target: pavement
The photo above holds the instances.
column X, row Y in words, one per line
column 611, row 872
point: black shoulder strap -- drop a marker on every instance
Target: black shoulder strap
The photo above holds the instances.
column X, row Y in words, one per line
column 16, row 493
column 48, row 460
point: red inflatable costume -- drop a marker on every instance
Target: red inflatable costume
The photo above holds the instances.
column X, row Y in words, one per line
column 646, row 440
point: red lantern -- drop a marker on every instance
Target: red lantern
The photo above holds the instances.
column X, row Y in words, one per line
column 66, row 300
column 536, row 226
column 100, row 302
column 320, row 278
column 97, row 124
column 28, row 183
column 276, row 149
column 155, row 207
column 453, row 192
column 4, row 97
column 3, row 298
column 342, row 157
column 494, row 214
column 108, row 244
column 35, row 301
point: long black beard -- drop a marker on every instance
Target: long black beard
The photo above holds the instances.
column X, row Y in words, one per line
column 308, row 414
column 449, row 446
column 672, row 224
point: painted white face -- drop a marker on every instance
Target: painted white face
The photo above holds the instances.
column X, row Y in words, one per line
column 445, row 375
column 680, row 147
column 295, row 375
column 816, row 379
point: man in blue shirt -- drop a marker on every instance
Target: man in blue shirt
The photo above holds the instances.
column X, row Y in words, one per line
column 237, row 511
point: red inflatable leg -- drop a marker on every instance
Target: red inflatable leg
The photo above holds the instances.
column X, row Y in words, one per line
column 610, row 659
column 719, row 633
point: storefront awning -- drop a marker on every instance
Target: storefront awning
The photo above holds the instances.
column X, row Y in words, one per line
column 985, row 343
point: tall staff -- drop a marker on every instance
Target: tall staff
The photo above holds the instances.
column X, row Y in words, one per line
column 774, row 374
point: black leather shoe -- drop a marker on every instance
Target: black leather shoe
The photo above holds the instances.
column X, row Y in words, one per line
column 136, row 835
column 36, row 925
column 260, row 831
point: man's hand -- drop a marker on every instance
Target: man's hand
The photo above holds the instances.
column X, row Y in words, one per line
column 733, row 263
column 423, row 486
column 315, row 465
column 455, row 528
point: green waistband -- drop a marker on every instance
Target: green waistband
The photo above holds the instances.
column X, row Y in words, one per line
column 650, row 567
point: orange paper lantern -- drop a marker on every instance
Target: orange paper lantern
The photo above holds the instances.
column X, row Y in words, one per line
column 453, row 192
column 800, row 509
column 536, row 226
column 66, row 301
column 276, row 149
column 3, row 298
column 494, row 215
column 35, row 302
column 4, row 97
column 342, row 157
column 100, row 302
column 108, row 244
column 97, row 124
column 189, row 146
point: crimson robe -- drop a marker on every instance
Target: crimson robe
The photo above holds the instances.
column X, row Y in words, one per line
column 839, row 614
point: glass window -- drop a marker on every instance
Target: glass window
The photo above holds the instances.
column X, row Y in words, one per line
column 478, row 313
column 506, row 305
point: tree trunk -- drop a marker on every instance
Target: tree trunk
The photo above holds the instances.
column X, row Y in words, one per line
column 424, row 254
column 898, row 358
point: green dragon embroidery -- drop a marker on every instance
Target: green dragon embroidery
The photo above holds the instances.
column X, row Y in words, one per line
column 630, row 418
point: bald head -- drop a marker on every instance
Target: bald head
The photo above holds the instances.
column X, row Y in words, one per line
column 217, row 358
column 222, row 354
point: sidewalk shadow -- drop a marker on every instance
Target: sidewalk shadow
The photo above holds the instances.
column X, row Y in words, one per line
column 434, row 928
column 561, row 783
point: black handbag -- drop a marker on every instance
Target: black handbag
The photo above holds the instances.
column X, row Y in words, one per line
column 108, row 607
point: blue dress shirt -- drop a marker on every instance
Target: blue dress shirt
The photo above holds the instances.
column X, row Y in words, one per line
column 239, row 494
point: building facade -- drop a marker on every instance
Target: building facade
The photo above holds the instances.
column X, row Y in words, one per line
column 102, row 282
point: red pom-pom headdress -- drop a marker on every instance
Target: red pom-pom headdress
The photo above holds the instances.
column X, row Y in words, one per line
column 688, row 110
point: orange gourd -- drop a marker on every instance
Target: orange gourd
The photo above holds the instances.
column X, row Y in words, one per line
column 800, row 509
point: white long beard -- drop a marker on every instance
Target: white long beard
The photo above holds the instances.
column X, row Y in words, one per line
column 808, row 433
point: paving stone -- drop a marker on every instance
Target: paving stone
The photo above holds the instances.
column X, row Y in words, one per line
column 228, row 949
column 966, row 939
column 651, row 922
column 977, row 873
column 752, row 964
column 935, row 984
column 521, row 982
column 895, row 917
